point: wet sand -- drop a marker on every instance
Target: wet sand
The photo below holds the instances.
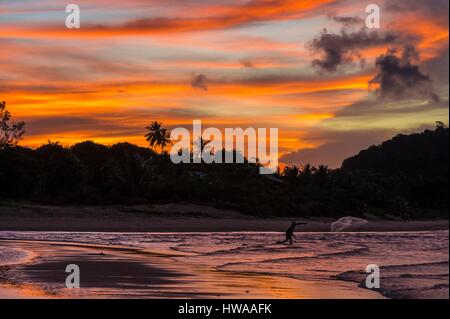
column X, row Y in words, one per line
column 142, row 273
column 116, row 272
column 430, row 281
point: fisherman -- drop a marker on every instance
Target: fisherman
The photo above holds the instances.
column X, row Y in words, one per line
column 290, row 232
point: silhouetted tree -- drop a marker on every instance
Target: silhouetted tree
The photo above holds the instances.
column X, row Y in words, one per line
column 10, row 133
column 417, row 154
column 201, row 145
column 322, row 174
column 157, row 135
column 404, row 177
column 440, row 125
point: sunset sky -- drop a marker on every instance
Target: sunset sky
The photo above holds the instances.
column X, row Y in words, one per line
column 229, row 63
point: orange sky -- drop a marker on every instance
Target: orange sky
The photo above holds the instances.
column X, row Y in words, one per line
column 134, row 61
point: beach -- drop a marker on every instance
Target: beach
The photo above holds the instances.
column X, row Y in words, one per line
column 236, row 265
column 177, row 218
column 194, row 251
column 128, row 273
column 245, row 150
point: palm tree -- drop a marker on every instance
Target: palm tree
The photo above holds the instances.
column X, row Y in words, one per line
column 201, row 145
column 291, row 172
column 307, row 170
column 157, row 135
column 204, row 144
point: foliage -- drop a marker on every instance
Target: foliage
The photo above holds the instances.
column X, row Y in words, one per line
column 157, row 135
column 10, row 133
column 403, row 178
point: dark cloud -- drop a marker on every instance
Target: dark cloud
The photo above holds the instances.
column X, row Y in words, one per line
column 344, row 48
column 399, row 77
column 199, row 81
column 347, row 21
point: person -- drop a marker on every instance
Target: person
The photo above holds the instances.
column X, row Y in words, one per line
column 290, row 232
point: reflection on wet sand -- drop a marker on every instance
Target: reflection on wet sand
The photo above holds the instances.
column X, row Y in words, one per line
column 116, row 272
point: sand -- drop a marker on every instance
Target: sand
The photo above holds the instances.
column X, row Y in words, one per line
column 132, row 273
column 120, row 272
column 173, row 218
column 430, row 281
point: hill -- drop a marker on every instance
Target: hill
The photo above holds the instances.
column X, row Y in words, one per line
column 406, row 177
column 420, row 154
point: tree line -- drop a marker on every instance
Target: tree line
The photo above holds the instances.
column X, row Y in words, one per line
column 405, row 177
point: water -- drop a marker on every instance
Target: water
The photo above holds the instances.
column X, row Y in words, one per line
column 313, row 257
column 10, row 256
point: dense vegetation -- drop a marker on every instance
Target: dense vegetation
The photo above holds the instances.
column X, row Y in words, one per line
column 420, row 154
column 404, row 177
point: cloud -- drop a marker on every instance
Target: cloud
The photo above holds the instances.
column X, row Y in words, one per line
column 199, row 81
column 113, row 123
column 377, row 108
column 347, row 21
column 341, row 49
column 425, row 22
column 438, row 69
column 399, row 78
column 434, row 9
column 210, row 15
column 247, row 63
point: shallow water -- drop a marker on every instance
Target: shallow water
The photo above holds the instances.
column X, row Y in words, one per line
column 11, row 256
column 317, row 257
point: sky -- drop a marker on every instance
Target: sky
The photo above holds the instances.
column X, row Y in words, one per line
column 312, row 69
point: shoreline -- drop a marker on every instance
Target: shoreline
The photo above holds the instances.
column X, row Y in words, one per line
column 394, row 288
column 177, row 218
column 171, row 278
column 130, row 269
column 120, row 269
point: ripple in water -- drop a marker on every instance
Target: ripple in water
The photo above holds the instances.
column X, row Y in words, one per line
column 10, row 256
